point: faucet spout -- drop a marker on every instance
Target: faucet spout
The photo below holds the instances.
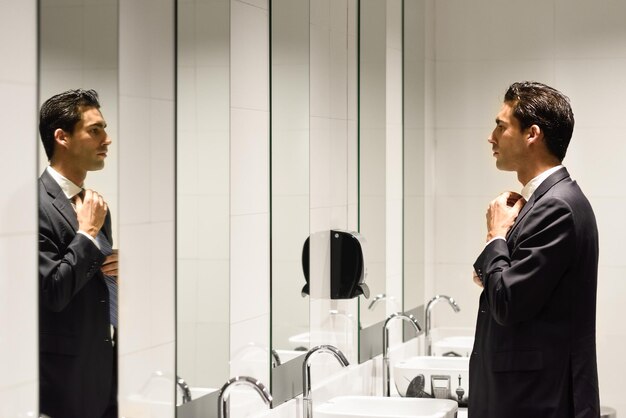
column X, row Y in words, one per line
column 223, row 400
column 429, row 306
column 386, row 372
column 184, row 388
column 306, row 374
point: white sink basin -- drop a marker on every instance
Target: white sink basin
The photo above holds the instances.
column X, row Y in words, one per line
column 454, row 341
column 382, row 407
column 459, row 346
column 446, row 373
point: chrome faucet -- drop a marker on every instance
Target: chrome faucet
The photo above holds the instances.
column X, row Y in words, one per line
column 429, row 307
column 223, row 400
column 184, row 388
column 379, row 298
column 307, row 402
column 411, row 320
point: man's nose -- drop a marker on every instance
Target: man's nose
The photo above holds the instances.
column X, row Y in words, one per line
column 107, row 140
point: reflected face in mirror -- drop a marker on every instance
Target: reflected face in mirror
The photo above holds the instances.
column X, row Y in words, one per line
column 85, row 149
column 77, row 300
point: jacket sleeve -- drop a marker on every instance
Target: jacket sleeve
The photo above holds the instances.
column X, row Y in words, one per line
column 519, row 282
column 64, row 270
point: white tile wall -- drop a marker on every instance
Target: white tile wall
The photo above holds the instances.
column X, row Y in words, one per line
column 577, row 47
column 146, row 216
column 18, row 229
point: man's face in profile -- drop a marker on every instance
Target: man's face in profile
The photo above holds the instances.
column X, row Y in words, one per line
column 87, row 146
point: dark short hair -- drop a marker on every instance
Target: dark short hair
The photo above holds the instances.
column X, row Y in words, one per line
column 63, row 111
column 537, row 104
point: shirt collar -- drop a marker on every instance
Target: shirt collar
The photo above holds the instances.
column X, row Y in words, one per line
column 69, row 189
column 532, row 185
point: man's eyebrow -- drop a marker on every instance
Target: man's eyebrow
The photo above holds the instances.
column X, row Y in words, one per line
column 499, row 121
column 98, row 124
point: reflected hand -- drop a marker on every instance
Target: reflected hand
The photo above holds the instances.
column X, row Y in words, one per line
column 109, row 267
column 502, row 212
column 91, row 210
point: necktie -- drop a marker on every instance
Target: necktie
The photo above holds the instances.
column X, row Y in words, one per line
column 111, row 282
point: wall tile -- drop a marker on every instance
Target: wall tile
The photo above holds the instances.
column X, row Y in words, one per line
column 249, row 255
column 213, row 291
column 162, row 160
column 466, row 30
column 249, row 57
column 469, row 93
column 249, row 348
column 320, row 71
column 249, row 163
column 456, row 176
column 588, row 30
column 603, row 82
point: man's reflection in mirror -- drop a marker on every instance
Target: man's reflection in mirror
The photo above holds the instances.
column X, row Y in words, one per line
column 77, row 265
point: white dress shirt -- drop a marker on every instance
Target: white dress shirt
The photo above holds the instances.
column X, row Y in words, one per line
column 530, row 188
column 70, row 190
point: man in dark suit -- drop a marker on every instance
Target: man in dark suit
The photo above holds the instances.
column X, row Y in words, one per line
column 77, row 352
column 534, row 354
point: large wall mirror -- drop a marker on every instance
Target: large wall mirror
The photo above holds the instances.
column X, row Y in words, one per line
column 202, row 194
column 372, row 154
column 380, row 168
column 289, row 177
column 78, row 48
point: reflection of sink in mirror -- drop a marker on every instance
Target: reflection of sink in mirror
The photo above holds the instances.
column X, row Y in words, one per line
column 383, row 407
column 195, row 394
column 452, row 341
column 332, row 338
column 286, row 355
column 448, row 375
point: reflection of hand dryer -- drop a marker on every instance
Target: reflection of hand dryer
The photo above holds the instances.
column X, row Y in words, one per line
column 347, row 265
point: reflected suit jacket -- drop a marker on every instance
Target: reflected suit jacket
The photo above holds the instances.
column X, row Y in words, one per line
column 534, row 353
column 75, row 350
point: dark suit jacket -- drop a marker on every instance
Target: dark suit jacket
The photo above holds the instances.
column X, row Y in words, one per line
column 534, row 354
column 75, row 351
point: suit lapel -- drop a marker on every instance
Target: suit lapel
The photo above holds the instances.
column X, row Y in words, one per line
column 546, row 185
column 58, row 199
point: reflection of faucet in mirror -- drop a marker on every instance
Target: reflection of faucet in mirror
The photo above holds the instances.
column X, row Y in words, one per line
column 429, row 307
column 223, row 400
column 411, row 320
column 184, row 388
column 378, row 298
column 275, row 358
column 307, row 402
column 181, row 385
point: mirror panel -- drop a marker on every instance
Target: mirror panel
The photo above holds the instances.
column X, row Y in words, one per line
column 414, row 130
column 380, row 157
column 78, row 51
column 372, row 154
column 289, row 177
column 203, row 194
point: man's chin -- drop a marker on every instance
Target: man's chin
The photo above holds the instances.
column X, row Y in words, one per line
column 97, row 167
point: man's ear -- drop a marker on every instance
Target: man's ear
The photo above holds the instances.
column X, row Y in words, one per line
column 60, row 137
column 535, row 134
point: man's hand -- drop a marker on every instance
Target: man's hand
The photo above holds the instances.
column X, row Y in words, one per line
column 109, row 267
column 476, row 279
column 90, row 211
column 502, row 212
